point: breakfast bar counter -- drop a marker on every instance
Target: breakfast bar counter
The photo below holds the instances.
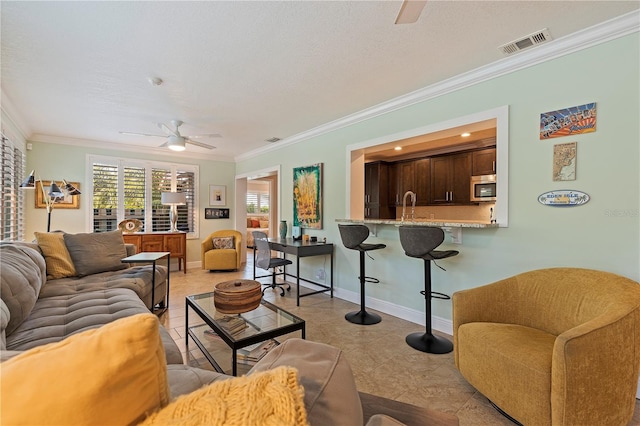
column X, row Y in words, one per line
column 443, row 223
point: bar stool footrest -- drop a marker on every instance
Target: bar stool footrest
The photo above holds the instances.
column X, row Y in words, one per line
column 437, row 295
column 371, row 280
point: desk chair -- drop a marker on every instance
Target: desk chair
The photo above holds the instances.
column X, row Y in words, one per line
column 420, row 242
column 265, row 261
column 353, row 237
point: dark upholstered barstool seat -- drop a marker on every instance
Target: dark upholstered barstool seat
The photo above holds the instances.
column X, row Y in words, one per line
column 265, row 261
column 353, row 237
column 420, row 242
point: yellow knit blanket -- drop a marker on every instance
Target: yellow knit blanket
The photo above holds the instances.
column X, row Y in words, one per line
column 269, row 398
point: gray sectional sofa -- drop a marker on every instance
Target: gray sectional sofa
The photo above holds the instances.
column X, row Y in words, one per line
column 35, row 311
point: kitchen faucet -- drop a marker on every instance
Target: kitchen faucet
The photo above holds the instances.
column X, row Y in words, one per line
column 413, row 204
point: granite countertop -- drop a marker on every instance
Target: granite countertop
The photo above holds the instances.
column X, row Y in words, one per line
column 453, row 223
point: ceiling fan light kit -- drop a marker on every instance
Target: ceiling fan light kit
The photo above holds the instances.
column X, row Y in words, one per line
column 176, row 143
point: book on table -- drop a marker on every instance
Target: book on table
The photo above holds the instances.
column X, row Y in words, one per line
column 232, row 325
column 254, row 353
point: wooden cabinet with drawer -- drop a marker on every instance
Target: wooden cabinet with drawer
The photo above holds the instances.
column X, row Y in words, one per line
column 173, row 242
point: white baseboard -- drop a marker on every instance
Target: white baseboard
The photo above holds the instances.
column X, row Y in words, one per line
column 441, row 324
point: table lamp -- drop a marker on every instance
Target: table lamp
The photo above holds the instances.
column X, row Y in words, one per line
column 174, row 199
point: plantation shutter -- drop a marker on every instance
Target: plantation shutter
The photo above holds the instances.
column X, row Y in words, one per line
column 161, row 182
column 186, row 182
column 12, row 168
column 129, row 189
column 105, row 197
column 134, row 193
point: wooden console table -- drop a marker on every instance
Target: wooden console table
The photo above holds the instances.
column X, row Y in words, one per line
column 173, row 242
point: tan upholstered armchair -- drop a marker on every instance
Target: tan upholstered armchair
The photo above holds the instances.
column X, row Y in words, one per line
column 226, row 257
column 556, row 346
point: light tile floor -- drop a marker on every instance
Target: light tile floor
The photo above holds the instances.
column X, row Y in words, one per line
column 383, row 364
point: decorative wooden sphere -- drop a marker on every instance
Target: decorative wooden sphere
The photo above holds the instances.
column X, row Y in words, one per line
column 237, row 296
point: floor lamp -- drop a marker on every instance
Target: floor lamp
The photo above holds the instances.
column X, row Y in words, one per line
column 174, row 199
column 54, row 194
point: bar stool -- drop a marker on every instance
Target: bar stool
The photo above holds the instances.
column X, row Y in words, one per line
column 352, row 238
column 420, row 242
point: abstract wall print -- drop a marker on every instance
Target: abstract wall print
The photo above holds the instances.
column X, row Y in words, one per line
column 564, row 161
column 307, row 196
column 210, row 213
column 568, row 121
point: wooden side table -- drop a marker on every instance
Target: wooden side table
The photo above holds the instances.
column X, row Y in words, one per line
column 153, row 257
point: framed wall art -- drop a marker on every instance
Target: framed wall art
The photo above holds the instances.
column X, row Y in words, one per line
column 210, row 213
column 217, row 195
column 307, row 196
column 66, row 202
column 568, row 121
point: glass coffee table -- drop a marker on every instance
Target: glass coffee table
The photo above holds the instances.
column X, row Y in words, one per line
column 249, row 335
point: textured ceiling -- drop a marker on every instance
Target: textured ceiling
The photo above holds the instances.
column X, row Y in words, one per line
column 247, row 70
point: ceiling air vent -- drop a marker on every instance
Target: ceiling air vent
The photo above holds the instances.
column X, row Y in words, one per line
column 538, row 37
column 273, row 139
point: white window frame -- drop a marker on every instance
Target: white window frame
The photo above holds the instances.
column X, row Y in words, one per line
column 17, row 196
column 148, row 166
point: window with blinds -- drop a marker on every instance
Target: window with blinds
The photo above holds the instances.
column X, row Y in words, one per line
column 126, row 189
column 257, row 202
column 12, row 166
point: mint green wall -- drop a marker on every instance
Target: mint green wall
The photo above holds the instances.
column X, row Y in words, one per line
column 603, row 234
column 53, row 161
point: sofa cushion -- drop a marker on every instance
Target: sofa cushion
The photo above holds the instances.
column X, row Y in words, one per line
column 4, row 322
column 49, row 384
column 255, row 223
column 184, row 379
column 23, row 275
column 56, row 255
column 222, row 243
column 96, row 252
column 271, row 397
column 56, row 318
column 330, row 394
column 136, row 278
column 264, row 224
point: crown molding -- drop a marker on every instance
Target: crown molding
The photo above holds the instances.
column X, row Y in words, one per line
column 603, row 32
column 16, row 123
column 88, row 143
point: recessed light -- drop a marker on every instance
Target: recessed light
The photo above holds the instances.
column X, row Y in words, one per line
column 398, row 148
column 465, row 134
column 155, row 81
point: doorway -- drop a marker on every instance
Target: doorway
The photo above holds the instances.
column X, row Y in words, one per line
column 257, row 204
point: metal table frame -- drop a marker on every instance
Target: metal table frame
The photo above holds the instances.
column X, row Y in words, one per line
column 153, row 257
column 191, row 302
column 300, row 249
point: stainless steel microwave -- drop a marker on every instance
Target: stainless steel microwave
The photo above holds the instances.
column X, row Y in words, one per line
column 483, row 188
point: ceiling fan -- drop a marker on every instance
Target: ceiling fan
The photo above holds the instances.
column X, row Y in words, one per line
column 410, row 11
column 176, row 141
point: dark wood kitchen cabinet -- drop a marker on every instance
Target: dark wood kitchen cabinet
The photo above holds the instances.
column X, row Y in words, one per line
column 402, row 180
column 450, row 179
column 483, row 162
column 422, row 170
column 376, row 191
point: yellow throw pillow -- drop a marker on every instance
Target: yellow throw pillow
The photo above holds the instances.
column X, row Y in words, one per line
column 272, row 397
column 56, row 255
column 115, row 374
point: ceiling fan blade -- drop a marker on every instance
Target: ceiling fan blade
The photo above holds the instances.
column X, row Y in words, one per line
column 200, row 144
column 209, row 135
column 410, row 11
column 142, row 134
column 167, row 130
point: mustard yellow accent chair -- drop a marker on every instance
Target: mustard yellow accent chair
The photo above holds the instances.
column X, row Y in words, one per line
column 222, row 259
column 557, row 346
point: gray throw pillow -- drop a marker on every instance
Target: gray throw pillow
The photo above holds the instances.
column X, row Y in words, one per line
column 96, row 252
